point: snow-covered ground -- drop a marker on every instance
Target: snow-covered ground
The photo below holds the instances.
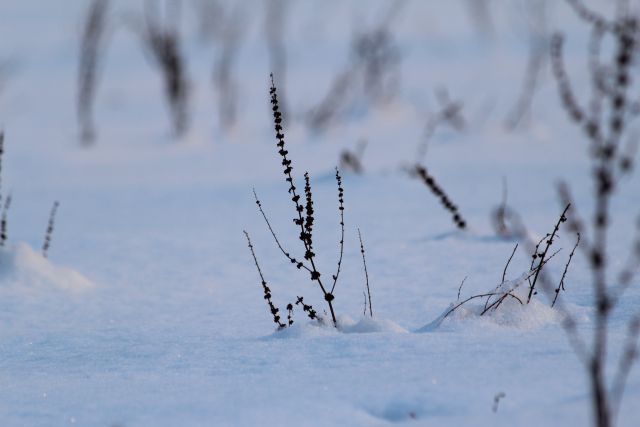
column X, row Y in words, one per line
column 149, row 309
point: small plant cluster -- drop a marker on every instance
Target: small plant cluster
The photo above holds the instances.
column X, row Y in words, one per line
column 304, row 221
column 421, row 173
column 541, row 256
column 7, row 204
column 507, row 289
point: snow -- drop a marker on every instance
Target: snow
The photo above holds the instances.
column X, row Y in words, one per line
column 25, row 270
column 158, row 317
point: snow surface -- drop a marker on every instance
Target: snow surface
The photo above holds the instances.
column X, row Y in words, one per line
column 159, row 319
column 23, row 269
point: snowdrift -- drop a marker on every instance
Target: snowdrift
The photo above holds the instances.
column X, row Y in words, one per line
column 23, row 269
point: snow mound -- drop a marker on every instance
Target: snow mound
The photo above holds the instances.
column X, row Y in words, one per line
column 368, row 325
column 22, row 268
column 407, row 407
column 511, row 313
column 346, row 325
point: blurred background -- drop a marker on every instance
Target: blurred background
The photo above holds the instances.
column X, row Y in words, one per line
column 88, row 72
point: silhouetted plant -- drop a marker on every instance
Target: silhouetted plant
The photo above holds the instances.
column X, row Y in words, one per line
column 307, row 308
column 341, row 243
column 508, row 289
column 92, row 47
column 50, row 225
column 541, row 256
column 304, row 218
column 275, row 311
column 164, row 46
column 267, row 291
column 289, row 314
column 421, row 172
column 564, row 273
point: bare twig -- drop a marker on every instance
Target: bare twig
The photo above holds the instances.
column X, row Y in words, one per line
column 366, row 274
column 460, row 287
column 564, row 273
column 542, row 256
column 267, row 292
column 299, row 264
column 341, row 209
column 504, row 272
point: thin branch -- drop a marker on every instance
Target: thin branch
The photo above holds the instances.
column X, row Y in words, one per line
column 568, row 324
column 267, row 292
column 366, row 274
column 299, row 264
column 564, row 273
column 504, row 272
column 460, row 287
column 341, row 209
column 499, row 301
column 549, row 242
column 455, row 307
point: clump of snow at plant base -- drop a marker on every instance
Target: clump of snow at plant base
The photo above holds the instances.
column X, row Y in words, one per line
column 148, row 310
